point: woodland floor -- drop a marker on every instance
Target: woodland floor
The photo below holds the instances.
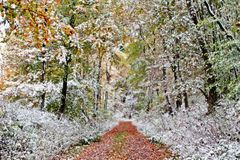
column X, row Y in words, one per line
column 123, row 142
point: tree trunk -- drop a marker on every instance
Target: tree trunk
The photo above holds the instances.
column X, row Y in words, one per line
column 179, row 101
column 168, row 104
column 98, row 92
column 165, row 87
column 150, row 99
column 185, row 99
column 64, row 85
column 212, row 95
column 43, row 75
column 106, row 100
column 106, row 92
column 176, row 73
column 184, row 93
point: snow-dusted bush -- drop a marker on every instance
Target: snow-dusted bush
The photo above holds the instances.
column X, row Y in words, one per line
column 32, row 134
column 194, row 135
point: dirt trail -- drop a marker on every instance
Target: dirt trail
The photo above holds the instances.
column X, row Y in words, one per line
column 123, row 142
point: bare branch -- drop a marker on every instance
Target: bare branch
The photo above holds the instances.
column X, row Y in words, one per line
column 203, row 92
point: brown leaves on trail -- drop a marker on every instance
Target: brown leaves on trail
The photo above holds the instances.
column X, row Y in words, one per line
column 123, row 142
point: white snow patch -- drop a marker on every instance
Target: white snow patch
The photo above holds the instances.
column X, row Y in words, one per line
column 27, row 133
column 193, row 135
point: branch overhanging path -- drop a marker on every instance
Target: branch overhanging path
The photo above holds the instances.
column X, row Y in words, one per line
column 123, row 142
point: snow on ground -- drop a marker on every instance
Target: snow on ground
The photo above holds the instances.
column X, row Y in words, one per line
column 27, row 133
column 32, row 134
column 193, row 135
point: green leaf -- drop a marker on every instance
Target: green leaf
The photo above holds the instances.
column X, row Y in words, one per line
column 134, row 51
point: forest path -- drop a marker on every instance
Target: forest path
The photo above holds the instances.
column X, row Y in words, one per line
column 123, row 142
